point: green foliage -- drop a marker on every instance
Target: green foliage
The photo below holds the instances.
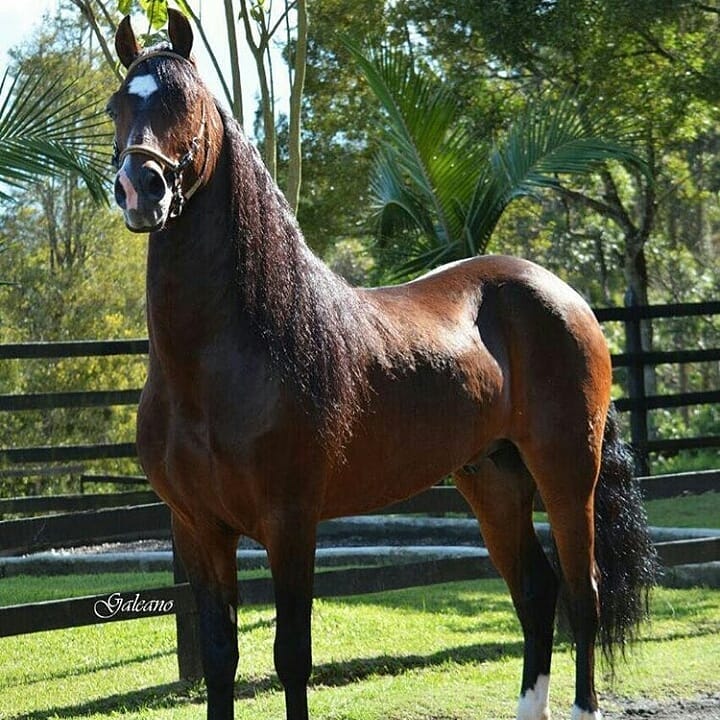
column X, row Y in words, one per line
column 442, row 190
column 51, row 131
column 156, row 11
column 71, row 270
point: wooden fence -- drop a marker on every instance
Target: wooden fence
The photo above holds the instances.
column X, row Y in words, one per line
column 634, row 360
column 637, row 402
column 87, row 519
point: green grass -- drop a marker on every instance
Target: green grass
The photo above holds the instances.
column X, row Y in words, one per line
column 698, row 511
column 29, row 589
column 689, row 511
column 449, row 651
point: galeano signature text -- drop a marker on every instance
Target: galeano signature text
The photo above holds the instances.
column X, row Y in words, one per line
column 116, row 604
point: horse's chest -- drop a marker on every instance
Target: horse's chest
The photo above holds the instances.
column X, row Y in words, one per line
column 198, row 441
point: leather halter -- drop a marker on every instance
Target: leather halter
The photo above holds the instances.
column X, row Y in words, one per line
column 173, row 168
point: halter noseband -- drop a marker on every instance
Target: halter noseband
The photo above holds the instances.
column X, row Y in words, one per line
column 173, row 168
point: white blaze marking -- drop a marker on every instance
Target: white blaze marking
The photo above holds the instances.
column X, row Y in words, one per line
column 143, row 85
column 578, row 714
column 533, row 704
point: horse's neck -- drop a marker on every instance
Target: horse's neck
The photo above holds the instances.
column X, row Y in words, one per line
column 191, row 283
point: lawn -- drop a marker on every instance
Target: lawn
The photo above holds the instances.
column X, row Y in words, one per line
column 448, row 651
column 696, row 511
column 687, row 511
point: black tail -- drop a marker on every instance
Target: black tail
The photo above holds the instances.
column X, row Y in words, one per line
column 623, row 549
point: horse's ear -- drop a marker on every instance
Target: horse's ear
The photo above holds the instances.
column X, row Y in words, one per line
column 180, row 33
column 126, row 45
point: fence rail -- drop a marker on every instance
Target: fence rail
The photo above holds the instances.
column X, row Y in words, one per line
column 634, row 360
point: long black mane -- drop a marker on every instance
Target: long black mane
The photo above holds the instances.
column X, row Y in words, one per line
column 320, row 335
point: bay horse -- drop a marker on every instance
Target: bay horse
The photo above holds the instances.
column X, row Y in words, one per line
column 278, row 396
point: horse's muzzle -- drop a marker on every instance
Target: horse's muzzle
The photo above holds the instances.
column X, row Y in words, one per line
column 143, row 194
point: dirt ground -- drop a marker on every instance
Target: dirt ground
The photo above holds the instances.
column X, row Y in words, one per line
column 703, row 707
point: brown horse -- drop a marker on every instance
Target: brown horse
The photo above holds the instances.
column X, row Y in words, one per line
column 278, row 396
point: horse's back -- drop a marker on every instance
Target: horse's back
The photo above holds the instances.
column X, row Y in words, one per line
column 521, row 335
column 485, row 350
column 555, row 362
column 505, row 298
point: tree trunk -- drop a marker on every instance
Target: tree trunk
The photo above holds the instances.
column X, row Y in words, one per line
column 295, row 162
column 237, row 103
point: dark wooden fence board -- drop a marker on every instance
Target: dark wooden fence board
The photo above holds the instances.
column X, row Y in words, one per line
column 115, row 479
column 656, row 402
column 77, row 399
column 666, row 486
column 96, row 526
column 665, row 357
column 74, row 503
column 68, row 453
column 73, row 348
column 77, row 612
column 644, row 312
column 689, row 552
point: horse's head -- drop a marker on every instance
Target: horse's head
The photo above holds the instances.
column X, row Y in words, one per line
column 165, row 120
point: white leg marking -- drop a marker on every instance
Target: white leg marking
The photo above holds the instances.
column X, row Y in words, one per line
column 578, row 714
column 143, row 85
column 533, row 704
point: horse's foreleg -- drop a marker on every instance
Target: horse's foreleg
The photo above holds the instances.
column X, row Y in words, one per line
column 501, row 494
column 209, row 557
column 291, row 552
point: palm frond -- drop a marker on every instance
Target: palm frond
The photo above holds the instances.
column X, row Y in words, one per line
column 431, row 149
column 440, row 189
column 397, row 208
column 549, row 140
column 49, row 132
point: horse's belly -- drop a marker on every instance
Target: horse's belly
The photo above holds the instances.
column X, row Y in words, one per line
column 421, row 428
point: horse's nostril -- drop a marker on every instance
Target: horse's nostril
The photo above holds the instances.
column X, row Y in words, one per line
column 120, row 195
column 152, row 184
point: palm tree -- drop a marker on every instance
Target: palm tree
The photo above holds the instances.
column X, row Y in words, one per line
column 439, row 188
column 49, row 132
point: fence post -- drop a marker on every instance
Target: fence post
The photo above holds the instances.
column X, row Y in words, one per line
column 187, row 625
column 636, row 385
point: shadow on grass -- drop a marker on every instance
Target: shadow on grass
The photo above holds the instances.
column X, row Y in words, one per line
column 100, row 666
column 159, row 697
column 175, row 695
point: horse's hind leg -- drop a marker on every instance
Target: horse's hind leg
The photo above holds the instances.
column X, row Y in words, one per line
column 209, row 557
column 565, row 471
column 500, row 490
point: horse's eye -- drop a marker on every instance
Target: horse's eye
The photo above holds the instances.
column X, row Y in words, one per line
column 110, row 111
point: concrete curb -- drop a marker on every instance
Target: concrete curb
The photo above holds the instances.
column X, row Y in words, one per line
column 366, row 540
column 53, row 563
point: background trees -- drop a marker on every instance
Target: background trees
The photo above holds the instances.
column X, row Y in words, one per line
column 71, row 270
